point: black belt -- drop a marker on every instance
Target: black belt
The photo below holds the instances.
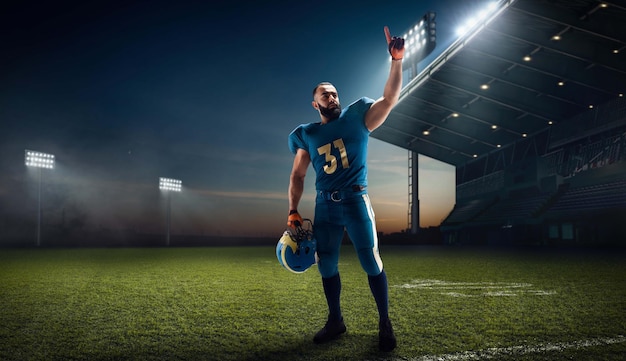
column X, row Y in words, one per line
column 340, row 194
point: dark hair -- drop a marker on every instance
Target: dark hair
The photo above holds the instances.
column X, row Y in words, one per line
column 320, row 84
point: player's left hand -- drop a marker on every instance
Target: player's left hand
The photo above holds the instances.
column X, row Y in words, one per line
column 395, row 44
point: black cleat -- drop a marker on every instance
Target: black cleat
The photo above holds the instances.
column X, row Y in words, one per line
column 386, row 338
column 331, row 331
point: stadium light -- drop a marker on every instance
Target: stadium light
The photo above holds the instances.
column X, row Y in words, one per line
column 169, row 185
column 40, row 161
column 421, row 38
column 473, row 21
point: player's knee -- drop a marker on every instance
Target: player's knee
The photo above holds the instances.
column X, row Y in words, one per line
column 327, row 270
column 327, row 265
column 370, row 261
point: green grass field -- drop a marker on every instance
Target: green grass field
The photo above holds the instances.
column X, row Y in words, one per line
column 239, row 304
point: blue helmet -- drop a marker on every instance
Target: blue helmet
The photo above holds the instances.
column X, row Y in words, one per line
column 296, row 253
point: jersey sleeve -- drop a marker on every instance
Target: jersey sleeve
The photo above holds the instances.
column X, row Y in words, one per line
column 296, row 140
column 361, row 107
column 366, row 103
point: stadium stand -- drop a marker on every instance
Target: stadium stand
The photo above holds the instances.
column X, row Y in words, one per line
column 593, row 206
column 574, row 194
column 469, row 210
column 529, row 108
column 582, row 201
column 519, row 207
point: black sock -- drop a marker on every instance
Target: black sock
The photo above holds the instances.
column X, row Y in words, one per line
column 379, row 287
column 332, row 290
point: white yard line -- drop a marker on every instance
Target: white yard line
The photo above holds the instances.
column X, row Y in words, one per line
column 513, row 351
column 458, row 289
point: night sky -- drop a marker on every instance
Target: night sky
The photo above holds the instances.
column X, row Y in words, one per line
column 123, row 93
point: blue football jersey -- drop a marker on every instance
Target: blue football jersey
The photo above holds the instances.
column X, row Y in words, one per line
column 338, row 149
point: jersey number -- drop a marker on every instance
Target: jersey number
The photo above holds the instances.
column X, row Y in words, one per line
column 326, row 149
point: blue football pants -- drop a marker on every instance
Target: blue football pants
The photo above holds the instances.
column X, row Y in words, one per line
column 356, row 216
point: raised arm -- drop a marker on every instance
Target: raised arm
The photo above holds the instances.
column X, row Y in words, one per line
column 378, row 112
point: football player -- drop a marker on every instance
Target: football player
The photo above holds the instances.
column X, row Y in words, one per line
column 336, row 147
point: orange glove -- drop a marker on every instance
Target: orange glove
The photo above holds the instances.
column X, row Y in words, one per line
column 294, row 220
column 396, row 45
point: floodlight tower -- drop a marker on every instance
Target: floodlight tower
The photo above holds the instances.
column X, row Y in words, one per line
column 169, row 185
column 40, row 161
column 420, row 41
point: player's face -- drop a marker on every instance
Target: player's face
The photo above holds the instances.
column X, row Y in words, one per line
column 327, row 102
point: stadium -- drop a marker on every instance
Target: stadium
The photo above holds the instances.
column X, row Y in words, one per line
column 527, row 105
column 535, row 126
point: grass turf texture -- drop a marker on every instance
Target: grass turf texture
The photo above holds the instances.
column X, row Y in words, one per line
column 239, row 304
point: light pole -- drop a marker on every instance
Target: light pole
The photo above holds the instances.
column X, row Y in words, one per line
column 169, row 185
column 420, row 41
column 40, row 161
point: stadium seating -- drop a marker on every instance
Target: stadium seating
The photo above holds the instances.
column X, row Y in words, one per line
column 467, row 210
column 518, row 207
column 576, row 202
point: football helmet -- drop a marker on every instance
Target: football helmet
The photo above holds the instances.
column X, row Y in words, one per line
column 296, row 250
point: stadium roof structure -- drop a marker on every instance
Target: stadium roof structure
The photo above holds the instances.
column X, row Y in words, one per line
column 531, row 65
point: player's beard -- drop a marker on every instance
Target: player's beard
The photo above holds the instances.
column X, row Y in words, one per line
column 330, row 113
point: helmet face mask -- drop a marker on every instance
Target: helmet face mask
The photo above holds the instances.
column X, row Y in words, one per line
column 296, row 252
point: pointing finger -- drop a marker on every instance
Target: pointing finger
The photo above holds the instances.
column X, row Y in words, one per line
column 387, row 35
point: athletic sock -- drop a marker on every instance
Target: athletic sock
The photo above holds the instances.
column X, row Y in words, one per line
column 379, row 287
column 332, row 290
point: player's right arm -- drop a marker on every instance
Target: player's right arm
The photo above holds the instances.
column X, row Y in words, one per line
column 296, row 184
column 381, row 108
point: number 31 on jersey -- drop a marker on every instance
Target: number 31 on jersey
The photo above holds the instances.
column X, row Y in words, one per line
column 326, row 151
